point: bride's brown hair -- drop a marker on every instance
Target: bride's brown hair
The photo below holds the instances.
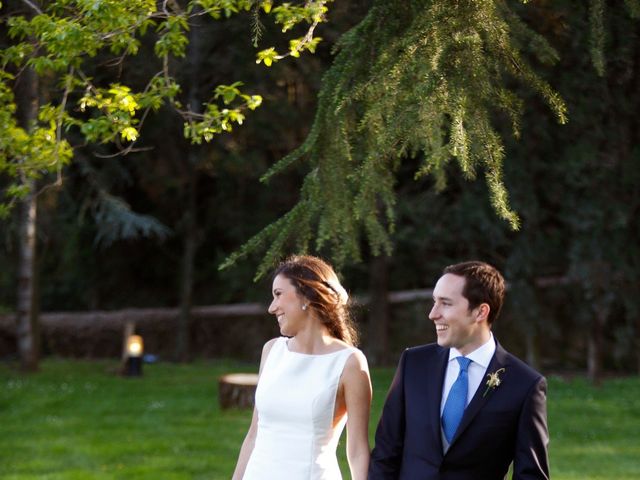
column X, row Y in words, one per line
column 315, row 280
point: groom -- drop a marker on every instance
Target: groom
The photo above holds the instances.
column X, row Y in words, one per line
column 463, row 409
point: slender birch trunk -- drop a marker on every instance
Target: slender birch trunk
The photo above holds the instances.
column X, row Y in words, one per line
column 26, row 311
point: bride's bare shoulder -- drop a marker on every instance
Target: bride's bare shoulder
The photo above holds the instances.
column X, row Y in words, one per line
column 266, row 349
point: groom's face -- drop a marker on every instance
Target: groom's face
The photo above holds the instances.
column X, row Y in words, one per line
column 456, row 325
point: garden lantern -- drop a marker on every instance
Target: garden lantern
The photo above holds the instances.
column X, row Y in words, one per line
column 135, row 349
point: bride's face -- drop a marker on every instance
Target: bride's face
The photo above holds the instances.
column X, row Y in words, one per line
column 287, row 306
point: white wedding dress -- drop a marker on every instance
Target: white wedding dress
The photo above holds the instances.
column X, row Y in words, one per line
column 295, row 400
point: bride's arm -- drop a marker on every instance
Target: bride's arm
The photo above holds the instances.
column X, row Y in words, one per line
column 357, row 395
column 250, row 439
column 247, row 448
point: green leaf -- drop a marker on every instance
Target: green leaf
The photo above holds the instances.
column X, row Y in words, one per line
column 129, row 133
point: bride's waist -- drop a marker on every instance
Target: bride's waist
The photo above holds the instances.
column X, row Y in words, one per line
column 282, row 442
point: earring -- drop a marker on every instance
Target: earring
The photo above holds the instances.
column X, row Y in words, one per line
column 304, row 307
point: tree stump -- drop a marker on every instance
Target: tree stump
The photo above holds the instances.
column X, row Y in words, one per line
column 237, row 390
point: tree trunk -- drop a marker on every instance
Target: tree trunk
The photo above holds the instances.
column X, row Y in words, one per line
column 26, row 312
column 531, row 348
column 186, row 291
column 26, row 317
column 379, row 311
column 637, row 344
column 594, row 351
column 190, row 228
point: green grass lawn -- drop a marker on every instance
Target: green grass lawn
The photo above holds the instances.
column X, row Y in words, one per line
column 77, row 420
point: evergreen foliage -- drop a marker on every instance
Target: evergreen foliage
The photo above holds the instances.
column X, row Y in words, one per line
column 414, row 79
column 116, row 221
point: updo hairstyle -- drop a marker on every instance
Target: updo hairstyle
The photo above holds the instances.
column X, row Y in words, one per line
column 317, row 282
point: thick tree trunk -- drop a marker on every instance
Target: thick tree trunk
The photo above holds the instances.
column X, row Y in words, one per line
column 26, row 311
column 379, row 311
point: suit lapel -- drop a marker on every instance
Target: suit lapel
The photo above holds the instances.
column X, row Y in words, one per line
column 479, row 399
column 435, row 397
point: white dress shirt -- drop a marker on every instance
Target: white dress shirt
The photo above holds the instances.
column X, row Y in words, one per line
column 480, row 359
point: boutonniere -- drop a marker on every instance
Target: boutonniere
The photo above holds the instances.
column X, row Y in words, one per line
column 493, row 381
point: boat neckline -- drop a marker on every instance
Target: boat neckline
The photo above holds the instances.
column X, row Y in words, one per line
column 286, row 347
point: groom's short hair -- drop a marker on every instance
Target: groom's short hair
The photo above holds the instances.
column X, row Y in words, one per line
column 483, row 284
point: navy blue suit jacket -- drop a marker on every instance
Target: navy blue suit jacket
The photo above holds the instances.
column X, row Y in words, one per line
column 508, row 424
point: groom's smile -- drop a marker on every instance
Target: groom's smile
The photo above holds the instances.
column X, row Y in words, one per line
column 456, row 325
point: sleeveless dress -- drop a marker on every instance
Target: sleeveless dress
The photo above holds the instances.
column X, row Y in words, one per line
column 295, row 400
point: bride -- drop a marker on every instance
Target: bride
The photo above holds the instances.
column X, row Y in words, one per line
column 312, row 382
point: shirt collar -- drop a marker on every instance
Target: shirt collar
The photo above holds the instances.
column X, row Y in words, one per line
column 481, row 355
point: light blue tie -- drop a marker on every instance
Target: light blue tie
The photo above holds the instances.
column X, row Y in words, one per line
column 456, row 401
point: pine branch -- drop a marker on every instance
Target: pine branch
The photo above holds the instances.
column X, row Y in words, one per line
column 413, row 79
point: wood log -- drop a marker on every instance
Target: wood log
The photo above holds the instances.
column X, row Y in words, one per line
column 237, row 390
column 118, row 318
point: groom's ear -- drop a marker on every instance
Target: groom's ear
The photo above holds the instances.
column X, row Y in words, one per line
column 482, row 312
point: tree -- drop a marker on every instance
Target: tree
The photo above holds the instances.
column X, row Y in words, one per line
column 423, row 83
column 59, row 40
column 26, row 321
column 412, row 77
column 601, row 202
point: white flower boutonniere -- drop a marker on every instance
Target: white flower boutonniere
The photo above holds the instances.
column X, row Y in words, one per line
column 493, row 381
